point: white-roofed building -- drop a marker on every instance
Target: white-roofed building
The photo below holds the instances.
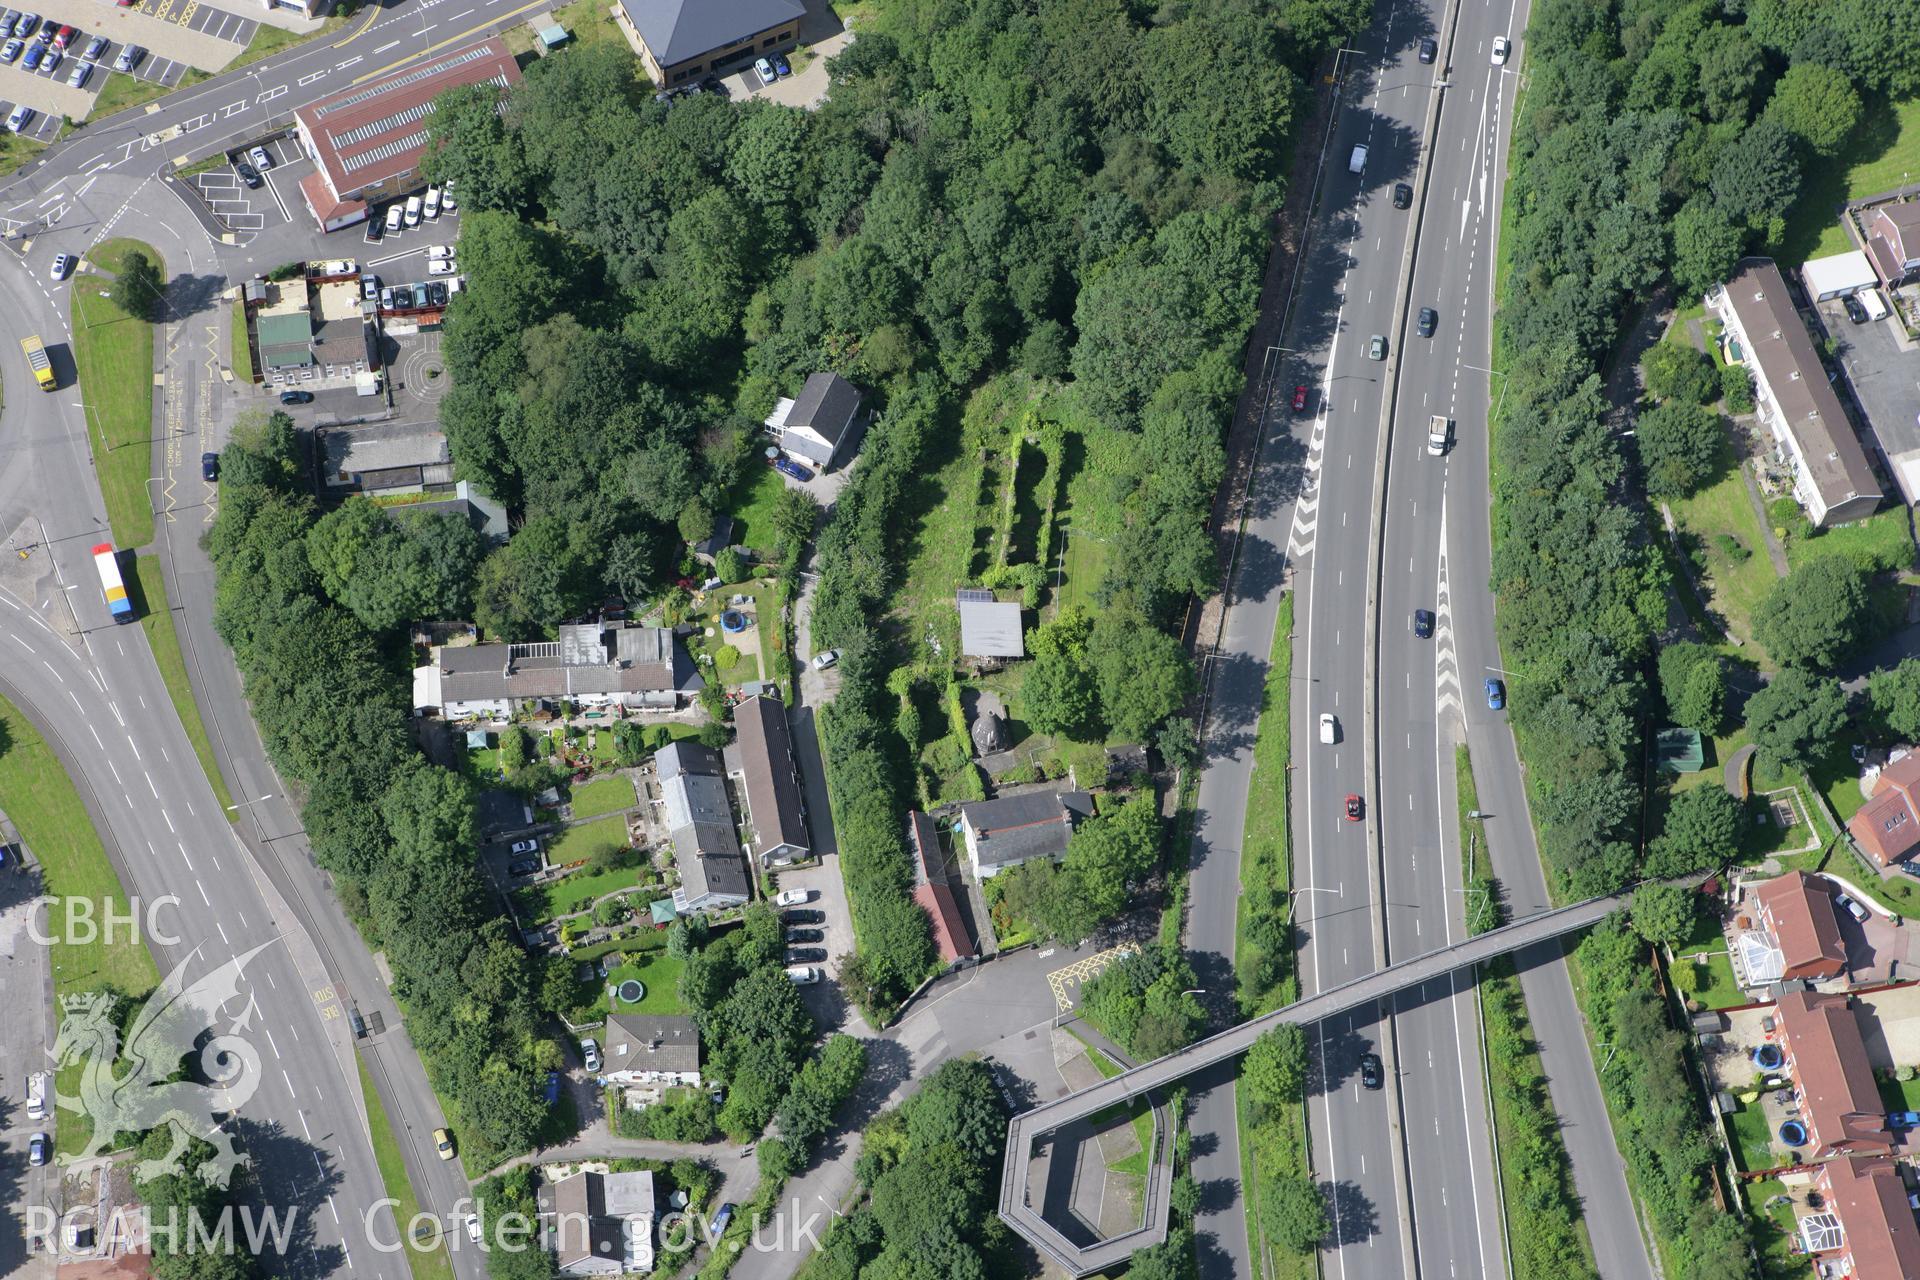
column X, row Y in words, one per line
column 1838, row 275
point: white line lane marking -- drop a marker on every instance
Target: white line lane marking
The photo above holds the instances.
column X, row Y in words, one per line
column 116, row 776
column 96, row 737
column 203, row 892
column 56, row 675
column 223, row 932
column 150, row 786
column 391, row 44
column 289, row 1080
column 22, row 643
column 270, row 1043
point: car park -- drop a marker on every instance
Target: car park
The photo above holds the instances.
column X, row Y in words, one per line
column 1329, row 727
column 53, row 60
column 95, row 48
column 1377, row 347
column 209, row 466
column 35, row 52
column 1501, row 47
column 1429, row 321
column 1300, row 399
column 764, row 70
column 248, row 174
column 590, row 1053
column 10, row 50
column 1402, row 196
column 130, row 56
column 793, row 897
column 432, row 208
column 81, row 73
column 18, row 118
column 443, row 1143
column 1429, row 48
column 414, row 206
column 48, row 25
column 1423, row 623
column 441, row 267
column 376, row 229
column 1354, row 808
column 439, row 251
column 62, row 265
column 1496, row 695
column 394, row 215
column 296, row 397
column 1855, row 312
column 436, row 293
column 523, row 867
column 821, row 661
column 803, row 975
column 1372, row 1074
column 262, row 158
column 63, row 38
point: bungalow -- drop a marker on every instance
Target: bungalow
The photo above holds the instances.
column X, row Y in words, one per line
column 593, row 664
column 1796, row 911
column 1865, row 1225
column 820, row 423
column 706, row 848
column 1014, row 829
column 1887, row 826
column 598, row 1224
column 776, row 817
column 1832, row 1077
column 651, row 1049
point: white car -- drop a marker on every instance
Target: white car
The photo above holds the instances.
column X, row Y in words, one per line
column 262, row 158
column 433, row 202
column 62, row 265
column 1329, row 727
column 394, row 214
column 590, row 1053
column 821, row 661
column 793, row 897
column 473, row 1227
column 414, row 206
column 803, row 975
column 439, row 251
column 764, row 70
column 1501, row 47
column 525, row 846
column 441, row 267
column 447, row 203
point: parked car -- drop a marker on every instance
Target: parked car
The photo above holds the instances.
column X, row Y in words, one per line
column 415, row 205
column 553, row 1088
column 796, row 936
column 781, row 67
column 1855, row 312
column 7, row 19
column 1402, row 196
column 806, row 955
column 441, row 266
column 370, row 287
column 436, row 293
column 1423, row 623
column 130, row 56
column 793, row 897
column 1372, row 1074
column 432, row 209
column 1329, row 727
column 394, row 215
column 1354, row 808
column 49, row 25
column 262, row 158
column 37, row 1095
column 447, row 203
column 1300, row 399
column 1429, row 321
column 376, row 229
column 35, row 52
column 51, row 63
column 19, row 117
column 63, row 37
column 1496, row 695
column 524, row 867
column 439, row 251
column 473, row 1227
column 26, row 25
column 443, row 1143
column 209, row 467
column 248, row 174
column 821, row 661
column 590, row 1053
column 1853, row 908
column 39, row 1146
column 81, row 73
column 296, row 397
column 95, row 47
column 62, row 265
column 787, row 466
column 10, row 50
column 803, row 974
column 764, row 70
column 524, row 846
column 1501, row 47
column 803, row 917
column 1429, row 48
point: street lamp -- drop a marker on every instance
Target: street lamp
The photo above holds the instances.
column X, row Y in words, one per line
column 1293, row 893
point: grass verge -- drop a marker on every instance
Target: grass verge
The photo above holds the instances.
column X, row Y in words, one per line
column 122, row 92
column 156, row 619
column 113, row 355
column 269, row 40
column 242, row 349
column 427, row 1264
column 45, row 807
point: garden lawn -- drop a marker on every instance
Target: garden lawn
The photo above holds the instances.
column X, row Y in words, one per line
column 587, row 838
column 1882, row 153
column 40, row 798
column 426, row 1264
column 1752, row 1140
column 1735, row 586
column 560, row 897
column 1716, row 987
column 113, row 355
column 1900, row 1095
column 604, row 795
column 1881, row 538
column 753, row 502
column 156, row 619
column 660, row 973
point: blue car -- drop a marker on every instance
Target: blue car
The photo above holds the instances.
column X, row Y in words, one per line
column 792, row 468
column 553, row 1088
column 780, row 65
column 35, row 52
column 1496, row 695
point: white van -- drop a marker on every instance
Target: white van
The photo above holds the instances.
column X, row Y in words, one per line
column 414, row 206
column 37, row 1096
column 1357, row 162
column 1870, row 299
column 803, row 974
column 433, row 203
column 1439, row 434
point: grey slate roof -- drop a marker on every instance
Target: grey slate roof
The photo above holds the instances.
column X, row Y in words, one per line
column 676, row 30
column 700, row 821
column 825, row 406
column 651, row 1042
column 989, row 628
column 585, row 660
column 684, row 755
column 1033, row 824
column 772, row 785
column 724, row 874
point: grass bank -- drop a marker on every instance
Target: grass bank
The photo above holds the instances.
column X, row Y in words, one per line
column 113, row 356
column 427, row 1264
column 242, row 349
column 156, row 619
column 45, row 807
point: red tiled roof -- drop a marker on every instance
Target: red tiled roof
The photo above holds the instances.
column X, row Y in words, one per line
column 934, row 892
column 376, row 131
column 325, row 205
column 1842, row 1102
column 1799, row 910
column 1870, row 1200
column 1888, row 825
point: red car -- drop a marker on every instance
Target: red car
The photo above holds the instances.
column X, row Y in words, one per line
column 64, row 37
column 1299, row 399
column 1353, row 808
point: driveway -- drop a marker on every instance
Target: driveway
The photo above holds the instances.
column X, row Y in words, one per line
column 1882, row 369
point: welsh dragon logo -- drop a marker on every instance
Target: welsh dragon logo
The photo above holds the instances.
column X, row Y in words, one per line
column 134, row 1088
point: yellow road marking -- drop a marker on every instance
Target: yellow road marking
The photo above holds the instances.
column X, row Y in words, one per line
column 373, row 12
column 468, row 34
column 1081, row 970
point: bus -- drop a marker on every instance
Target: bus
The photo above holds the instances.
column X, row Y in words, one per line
column 110, row 584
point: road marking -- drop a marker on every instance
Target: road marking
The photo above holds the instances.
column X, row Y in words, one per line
column 150, row 786
column 223, row 935
column 289, row 1080
column 203, row 892
column 273, row 1046
column 185, row 858
column 391, row 44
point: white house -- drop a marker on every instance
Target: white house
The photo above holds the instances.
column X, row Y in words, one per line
column 1014, row 829
column 598, row 1224
column 651, row 1049
column 820, row 423
column 591, row 664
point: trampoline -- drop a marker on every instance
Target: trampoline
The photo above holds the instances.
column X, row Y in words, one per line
column 1793, row 1133
column 1768, row 1057
column 733, row 620
column 631, row 991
